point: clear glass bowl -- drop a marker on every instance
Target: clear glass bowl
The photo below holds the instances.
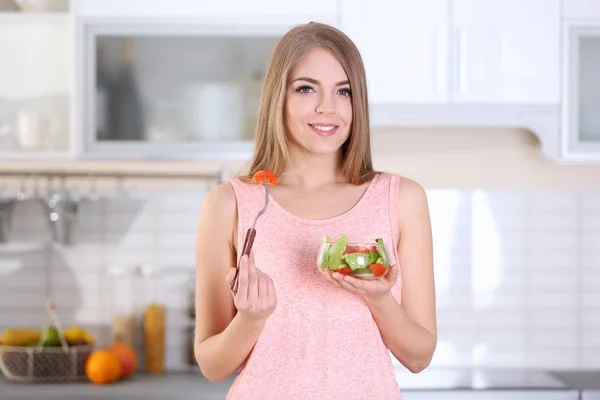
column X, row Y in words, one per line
column 360, row 260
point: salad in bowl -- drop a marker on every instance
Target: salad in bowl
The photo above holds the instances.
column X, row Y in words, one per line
column 360, row 260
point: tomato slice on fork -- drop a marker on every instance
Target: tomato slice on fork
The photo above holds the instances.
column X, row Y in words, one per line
column 260, row 177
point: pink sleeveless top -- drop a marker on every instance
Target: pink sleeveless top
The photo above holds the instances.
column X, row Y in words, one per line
column 321, row 342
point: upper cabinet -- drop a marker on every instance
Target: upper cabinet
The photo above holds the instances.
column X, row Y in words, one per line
column 177, row 79
column 505, row 51
column 404, row 46
column 581, row 81
column 182, row 78
column 35, row 79
column 581, row 10
column 458, row 51
column 257, row 12
column 27, row 46
column 136, row 100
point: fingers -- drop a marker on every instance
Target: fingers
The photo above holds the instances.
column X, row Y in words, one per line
column 263, row 288
column 392, row 275
column 252, row 279
column 230, row 275
column 243, row 278
column 349, row 283
column 255, row 298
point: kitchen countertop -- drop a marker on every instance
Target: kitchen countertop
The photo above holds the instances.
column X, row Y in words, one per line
column 433, row 383
column 585, row 380
column 588, row 382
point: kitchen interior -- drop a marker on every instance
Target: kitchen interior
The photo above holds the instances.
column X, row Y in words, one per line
column 117, row 117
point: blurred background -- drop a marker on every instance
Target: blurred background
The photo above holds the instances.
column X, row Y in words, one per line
column 117, row 116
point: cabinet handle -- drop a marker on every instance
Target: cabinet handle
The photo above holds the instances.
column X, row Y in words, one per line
column 461, row 57
column 440, row 60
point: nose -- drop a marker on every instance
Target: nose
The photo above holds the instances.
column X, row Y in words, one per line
column 326, row 104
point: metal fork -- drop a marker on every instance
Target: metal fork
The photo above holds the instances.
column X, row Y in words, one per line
column 249, row 240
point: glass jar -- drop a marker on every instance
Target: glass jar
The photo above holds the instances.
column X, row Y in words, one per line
column 123, row 280
column 153, row 325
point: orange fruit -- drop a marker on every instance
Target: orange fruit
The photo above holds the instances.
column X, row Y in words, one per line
column 102, row 367
column 127, row 357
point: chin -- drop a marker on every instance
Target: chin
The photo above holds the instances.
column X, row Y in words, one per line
column 325, row 150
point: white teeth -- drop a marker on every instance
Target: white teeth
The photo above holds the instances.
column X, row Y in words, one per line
column 324, row 128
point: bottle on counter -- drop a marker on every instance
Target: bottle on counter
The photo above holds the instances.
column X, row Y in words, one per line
column 192, row 298
column 102, row 93
column 125, row 103
column 153, row 325
column 154, row 338
column 123, row 304
column 191, row 337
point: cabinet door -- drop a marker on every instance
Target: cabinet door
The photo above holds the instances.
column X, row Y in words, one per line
column 255, row 12
column 404, row 47
column 580, row 118
column 506, row 51
column 35, row 61
column 135, row 101
column 581, row 9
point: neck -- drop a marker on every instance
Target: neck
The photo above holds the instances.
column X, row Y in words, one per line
column 312, row 170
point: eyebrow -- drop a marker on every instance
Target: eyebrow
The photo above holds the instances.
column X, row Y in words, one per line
column 316, row 82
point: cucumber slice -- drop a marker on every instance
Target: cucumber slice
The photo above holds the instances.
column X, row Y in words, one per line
column 365, row 270
column 382, row 252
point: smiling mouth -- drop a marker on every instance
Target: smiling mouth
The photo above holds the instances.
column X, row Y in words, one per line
column 324, row 129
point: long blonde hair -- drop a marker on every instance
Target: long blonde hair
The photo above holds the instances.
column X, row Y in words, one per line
column 271, row 149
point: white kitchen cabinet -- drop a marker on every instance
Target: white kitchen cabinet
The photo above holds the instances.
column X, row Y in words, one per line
column 505, row 51
column 581, row 9
column 444, row 63
column 256, row 12
column 458, row 51
column 222, row 49
column 35, row 58
column 35, row 84
column 581, row 92
column 404, row 48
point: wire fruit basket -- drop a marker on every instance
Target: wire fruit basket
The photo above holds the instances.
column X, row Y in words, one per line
column 45, row 364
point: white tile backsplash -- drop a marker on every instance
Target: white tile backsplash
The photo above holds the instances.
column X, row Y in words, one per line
column 517, row 272
column 560, row 319
column 590, row 319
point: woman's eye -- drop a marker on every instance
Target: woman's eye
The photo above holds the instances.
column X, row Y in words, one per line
column 304, row 89
column 345, row 92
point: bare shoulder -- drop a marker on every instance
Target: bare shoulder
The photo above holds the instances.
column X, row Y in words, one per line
column 220, row 200
column 218, row 216
column 411, row 196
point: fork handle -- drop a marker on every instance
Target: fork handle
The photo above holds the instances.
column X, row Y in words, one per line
column 248, row 242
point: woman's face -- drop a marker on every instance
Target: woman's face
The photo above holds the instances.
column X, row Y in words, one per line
column 318, row 104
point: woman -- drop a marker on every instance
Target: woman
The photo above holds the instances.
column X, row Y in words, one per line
column 297, row 332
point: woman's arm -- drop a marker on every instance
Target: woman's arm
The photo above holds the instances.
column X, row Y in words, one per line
column 224, row 335
column 409, row 330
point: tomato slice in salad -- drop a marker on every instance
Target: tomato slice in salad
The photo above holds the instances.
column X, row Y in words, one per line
column 359, row 249
column 345, row 271
column 260, row 177
column 377, row 269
